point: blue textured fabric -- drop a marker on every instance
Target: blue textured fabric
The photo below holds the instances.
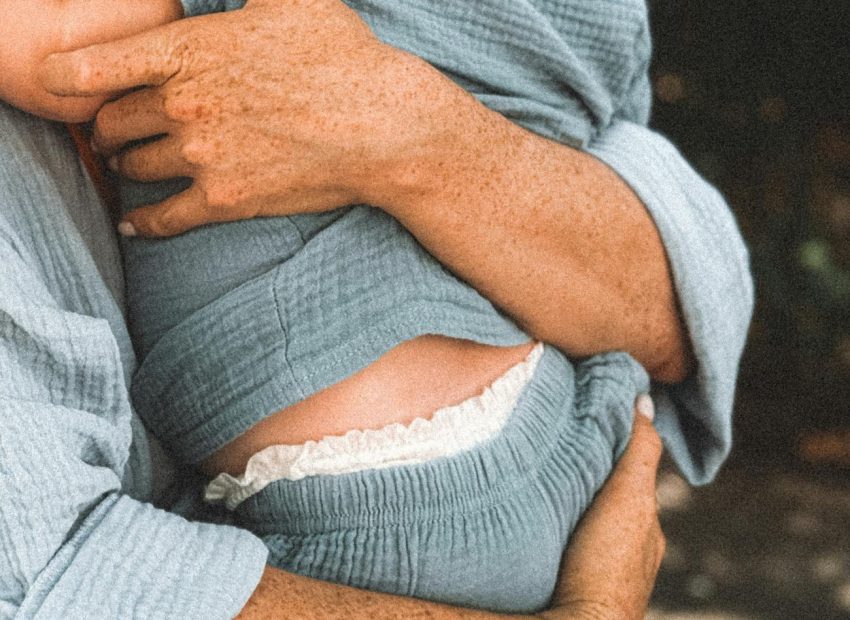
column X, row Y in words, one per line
column 342, row 298
column 77, row 539
column 712, row 277
column 483, row 528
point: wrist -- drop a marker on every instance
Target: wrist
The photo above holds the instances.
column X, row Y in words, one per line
column 437, row 139
column 588, row 610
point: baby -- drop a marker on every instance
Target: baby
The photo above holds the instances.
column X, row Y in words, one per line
column 370, row 416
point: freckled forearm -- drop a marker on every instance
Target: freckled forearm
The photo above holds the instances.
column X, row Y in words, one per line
column 281, row 594
column 546, row 232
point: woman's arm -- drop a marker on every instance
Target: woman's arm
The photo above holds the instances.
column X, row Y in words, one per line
column 547, row 233
column 31, row 30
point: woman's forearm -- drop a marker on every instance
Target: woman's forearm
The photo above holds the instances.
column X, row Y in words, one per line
column 282, row 594
column 549, row 234
column 286, row 595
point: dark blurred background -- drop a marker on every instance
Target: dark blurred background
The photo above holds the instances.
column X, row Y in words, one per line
column 757, row 95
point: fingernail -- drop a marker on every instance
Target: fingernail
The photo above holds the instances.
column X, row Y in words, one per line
column 93, row 146
column 127, row 229
column 645, row 406
column 113, row 163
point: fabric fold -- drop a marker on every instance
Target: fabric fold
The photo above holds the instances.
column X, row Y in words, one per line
column 711, row 273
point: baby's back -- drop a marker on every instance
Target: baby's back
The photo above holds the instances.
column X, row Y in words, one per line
column 237, row 321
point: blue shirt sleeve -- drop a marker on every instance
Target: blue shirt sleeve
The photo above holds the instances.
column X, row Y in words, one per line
column 71, row 544
column 711, row 274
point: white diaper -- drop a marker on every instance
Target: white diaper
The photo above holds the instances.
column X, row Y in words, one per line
column 449, row 431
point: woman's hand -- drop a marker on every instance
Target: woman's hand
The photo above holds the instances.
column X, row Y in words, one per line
column 31, row 30
column 610, row 566
column 292, row 107
column 288, row 120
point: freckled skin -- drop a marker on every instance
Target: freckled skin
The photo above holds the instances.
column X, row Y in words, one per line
column 549, row 234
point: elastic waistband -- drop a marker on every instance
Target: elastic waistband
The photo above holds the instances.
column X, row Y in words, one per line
column 579, row 416
column 449, row 430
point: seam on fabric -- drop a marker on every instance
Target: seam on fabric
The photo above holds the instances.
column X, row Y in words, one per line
column 282, row 323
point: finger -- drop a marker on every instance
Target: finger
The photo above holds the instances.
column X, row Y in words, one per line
column 638, row 467
column 147, row 59
column 156, row 161
column 660, row 549
column 171, row 217
column 139, row 115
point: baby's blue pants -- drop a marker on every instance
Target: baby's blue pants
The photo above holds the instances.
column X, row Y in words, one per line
column 484, row 528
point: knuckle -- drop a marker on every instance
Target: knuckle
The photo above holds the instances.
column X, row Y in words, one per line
column 171, row 104
column 221, row 198
column 180, row 52
column 180, row 105
column 160, row 224
column 81, row 75
column 157, row 228
column 168, row 225
column 194, row 151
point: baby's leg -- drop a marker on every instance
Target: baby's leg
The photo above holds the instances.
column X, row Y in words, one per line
column 485, row 527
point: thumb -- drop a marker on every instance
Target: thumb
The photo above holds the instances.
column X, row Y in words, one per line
column 170, row 217
column 643, row 454
column 146, row 59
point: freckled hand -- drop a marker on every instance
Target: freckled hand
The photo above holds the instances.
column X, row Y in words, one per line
column 259, row 136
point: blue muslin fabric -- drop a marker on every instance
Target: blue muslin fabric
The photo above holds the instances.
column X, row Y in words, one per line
column 78, row 537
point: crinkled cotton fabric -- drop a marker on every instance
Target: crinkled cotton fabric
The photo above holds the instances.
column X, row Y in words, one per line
column 78, row 538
